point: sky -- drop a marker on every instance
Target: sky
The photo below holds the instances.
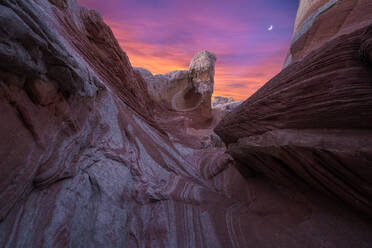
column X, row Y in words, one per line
column 164, row 35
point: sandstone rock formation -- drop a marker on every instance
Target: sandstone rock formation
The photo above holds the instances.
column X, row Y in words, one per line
column 185, row 91
column 224, row 105
column 201, row 71
column 320, row 21
column 218, row 100
column 185, row 98
column 211, row 140
column 164, row 88
column 311, row 124
column 87, row 162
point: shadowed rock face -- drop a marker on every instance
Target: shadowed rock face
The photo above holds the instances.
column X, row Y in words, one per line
column 85, row 160
column 311, row 124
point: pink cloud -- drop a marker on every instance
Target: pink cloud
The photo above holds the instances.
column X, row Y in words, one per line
column 164, row 36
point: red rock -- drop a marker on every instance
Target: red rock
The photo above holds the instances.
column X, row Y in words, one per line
column 311, row 123
column 320, row 21
column 95, row 42
column 186, row 92
column 83, row 163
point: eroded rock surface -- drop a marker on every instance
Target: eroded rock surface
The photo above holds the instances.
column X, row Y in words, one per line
column 185, row 91
column 219, row 100
column 320, row 21
column 223, row 105
column 311, row 124
column 185, row 100
column 85, row 162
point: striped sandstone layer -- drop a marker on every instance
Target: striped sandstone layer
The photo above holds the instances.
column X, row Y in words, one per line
column 85, row 160
column 311, row 124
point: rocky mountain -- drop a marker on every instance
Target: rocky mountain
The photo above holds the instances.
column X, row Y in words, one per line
column 95, row 153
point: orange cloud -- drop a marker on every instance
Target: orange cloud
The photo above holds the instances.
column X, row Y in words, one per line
column 238, row 81
column 165, row 39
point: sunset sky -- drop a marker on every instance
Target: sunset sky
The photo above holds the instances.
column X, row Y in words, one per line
column 163, row 35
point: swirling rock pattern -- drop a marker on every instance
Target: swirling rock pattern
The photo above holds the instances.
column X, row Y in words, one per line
column 84, row 163
column 312, row 122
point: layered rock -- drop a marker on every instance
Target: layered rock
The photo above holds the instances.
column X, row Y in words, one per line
column 320, row 21
column 83, row 163
column 185, row 98
column 185, row 91
column 163, row 88
column 311, row 124
column 54, row 65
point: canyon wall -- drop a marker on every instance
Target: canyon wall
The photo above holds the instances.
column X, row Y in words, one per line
column 311, row 125
column 320, row 21
column 89, row 159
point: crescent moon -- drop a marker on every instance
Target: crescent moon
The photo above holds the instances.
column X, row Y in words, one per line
column 270, row 28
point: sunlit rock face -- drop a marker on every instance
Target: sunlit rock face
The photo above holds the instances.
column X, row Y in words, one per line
column 201, row 71
column 87, row 161
column 185, row 91
column 312, row 123
column 219, row 100
column 223, row 105
column 184, row 98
